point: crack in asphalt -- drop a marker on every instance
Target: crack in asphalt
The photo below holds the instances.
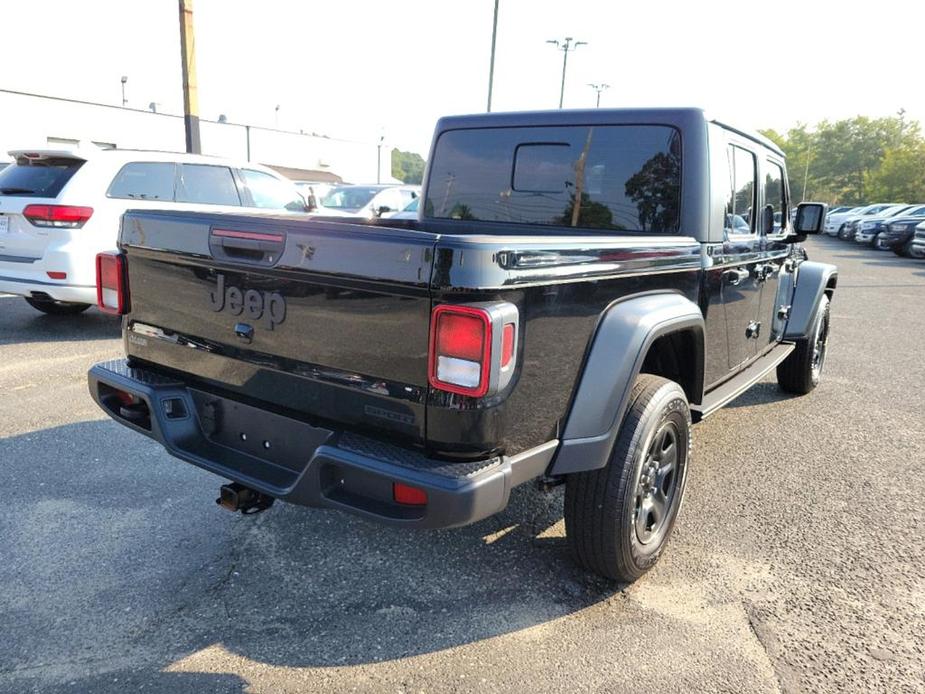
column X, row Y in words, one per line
column 755, row 626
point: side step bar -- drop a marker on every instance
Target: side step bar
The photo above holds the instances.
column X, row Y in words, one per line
column 742, row 381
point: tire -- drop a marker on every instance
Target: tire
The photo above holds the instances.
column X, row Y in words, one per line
column 801, row 371
column 605, row 532
column 56, row 308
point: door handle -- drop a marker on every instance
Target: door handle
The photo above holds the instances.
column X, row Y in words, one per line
column 736, row 276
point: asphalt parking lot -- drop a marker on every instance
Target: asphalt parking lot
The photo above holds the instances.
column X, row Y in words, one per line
column 798, row 563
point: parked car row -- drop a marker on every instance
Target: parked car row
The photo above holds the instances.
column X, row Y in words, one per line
column 59, row 208
column 884, row 226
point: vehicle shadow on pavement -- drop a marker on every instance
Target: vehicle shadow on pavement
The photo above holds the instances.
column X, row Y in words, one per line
column 760, row 394
column 20, row 324
column 121, row 567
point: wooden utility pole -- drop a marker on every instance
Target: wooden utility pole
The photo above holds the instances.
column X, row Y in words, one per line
column 190, row 92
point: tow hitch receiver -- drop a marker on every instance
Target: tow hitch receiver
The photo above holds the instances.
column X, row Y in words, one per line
column 237, row 497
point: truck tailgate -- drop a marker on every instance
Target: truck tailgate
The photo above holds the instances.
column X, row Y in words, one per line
column 326, row 320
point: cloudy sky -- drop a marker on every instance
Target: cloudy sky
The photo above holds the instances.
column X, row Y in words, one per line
column 360, row 68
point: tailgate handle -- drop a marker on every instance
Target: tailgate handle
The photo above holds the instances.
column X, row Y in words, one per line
column 247, row 246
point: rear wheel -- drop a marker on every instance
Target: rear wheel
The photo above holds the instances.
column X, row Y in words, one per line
column 56, row 308
column 618, row 518
column 801, row 371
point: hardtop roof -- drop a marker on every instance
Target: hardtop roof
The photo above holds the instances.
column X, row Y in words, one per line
column 681, row 117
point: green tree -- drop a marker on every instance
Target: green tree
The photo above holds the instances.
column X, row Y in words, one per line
column 591, row 215
column 841, row 161
column 407, row 167
column 901, row 174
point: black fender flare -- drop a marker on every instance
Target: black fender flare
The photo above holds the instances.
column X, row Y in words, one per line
column 812, row 280
column 618, row 349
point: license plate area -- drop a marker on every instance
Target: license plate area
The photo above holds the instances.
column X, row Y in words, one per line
column 280, row 440
column 4, row 224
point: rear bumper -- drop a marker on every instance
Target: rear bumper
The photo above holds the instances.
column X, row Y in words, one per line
column 59, row 291
column 303, row 464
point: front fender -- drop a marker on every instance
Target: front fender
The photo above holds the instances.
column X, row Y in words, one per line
column 624, row 334
column 812, row 279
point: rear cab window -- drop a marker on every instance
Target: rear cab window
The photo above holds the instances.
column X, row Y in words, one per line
column 38, row 177
column 623, row 178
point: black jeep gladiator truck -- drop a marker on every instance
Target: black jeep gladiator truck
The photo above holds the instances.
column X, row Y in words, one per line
column 580, row 287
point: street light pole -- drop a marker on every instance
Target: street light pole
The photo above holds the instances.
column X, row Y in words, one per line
column 124, row 80
column 491, row 65
column 379, row 159
column 599, row 88
column 565, row 46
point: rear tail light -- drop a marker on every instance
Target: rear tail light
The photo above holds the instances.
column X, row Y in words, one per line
column 111, row 283
column 472, row 348
column 60, row 216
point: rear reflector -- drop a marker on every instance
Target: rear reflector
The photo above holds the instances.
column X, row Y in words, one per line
column 111, row 283
column 57, row 275
column 60, row 216
column 460, row 349
column 507, row 345
column 410, row 496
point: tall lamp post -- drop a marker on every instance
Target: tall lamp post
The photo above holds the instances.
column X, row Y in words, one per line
column 491, row 65
column 565, row 45
column 124, row 100
column 599, row 88
column 379, row 159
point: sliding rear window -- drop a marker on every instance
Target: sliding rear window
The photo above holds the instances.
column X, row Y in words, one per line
column 38, row 178
column 623, row 177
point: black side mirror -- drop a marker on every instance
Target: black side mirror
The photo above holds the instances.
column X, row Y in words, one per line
column 809, row 220
column 382, row 210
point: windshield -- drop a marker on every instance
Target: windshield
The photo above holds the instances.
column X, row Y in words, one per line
column 349, row 197
column 39, row 178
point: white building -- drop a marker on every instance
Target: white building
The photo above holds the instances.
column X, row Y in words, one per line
column 31, row 120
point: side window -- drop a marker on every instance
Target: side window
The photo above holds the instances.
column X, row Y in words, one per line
column 270, row 193
column 741, row 199
column 145, row 181
column 208, row 185
column 389, row 198
column 775, row 193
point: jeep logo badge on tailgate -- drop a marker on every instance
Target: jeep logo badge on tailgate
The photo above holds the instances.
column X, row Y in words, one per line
column 267, row 307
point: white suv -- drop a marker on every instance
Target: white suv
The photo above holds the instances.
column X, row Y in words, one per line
column 59, row 208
